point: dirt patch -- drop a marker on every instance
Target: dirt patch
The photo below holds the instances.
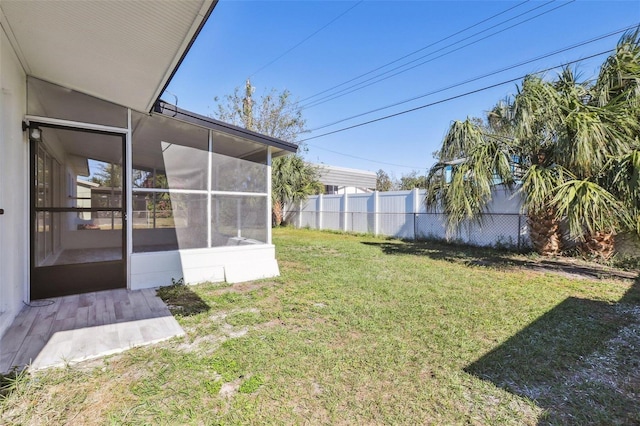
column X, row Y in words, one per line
column 270, row 324
column 576, row 270
column 243, row 288
column 565, row 267
column 229, row 389
column 85, row 400
column 295, row 266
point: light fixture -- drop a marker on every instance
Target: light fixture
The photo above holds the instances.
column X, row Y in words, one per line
column 35, row 134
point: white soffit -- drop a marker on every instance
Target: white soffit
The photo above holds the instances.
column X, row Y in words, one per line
column 120, row 51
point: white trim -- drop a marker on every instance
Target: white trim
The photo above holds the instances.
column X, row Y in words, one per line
column 320, row 207
column 242, row 194
column 269, row 200
column 209, row 198
column 200, row 191
column 345, row 218
column 376, row 217
column 77, row 124
column 129, row 195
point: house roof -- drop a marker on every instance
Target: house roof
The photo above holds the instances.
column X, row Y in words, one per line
column 281, row 147
column 124, row 52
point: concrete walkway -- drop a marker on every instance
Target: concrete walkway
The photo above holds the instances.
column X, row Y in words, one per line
column 70, row 329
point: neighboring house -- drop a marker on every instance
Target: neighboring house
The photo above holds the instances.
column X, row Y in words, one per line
column 340, row 180
column 187, row 197
column 84, row 191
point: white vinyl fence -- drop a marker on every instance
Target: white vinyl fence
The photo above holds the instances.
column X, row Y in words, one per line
column 403, row 214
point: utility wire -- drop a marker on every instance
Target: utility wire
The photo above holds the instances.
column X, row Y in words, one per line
column 362, row 84
column 489, row 74
column 307, row 38
column 414, row 52
column 364, row 159
column 502, row 83
column 337, row 93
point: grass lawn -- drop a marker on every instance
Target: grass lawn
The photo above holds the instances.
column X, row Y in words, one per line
column 363, row 330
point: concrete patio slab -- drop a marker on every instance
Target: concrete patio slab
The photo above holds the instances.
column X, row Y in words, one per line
column 70, row 329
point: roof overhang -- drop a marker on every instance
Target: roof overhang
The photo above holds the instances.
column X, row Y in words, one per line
column 124, row 52
column 279, row 146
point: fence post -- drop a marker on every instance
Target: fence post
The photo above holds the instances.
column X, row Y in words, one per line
column 345, row 201
column 320, row 198
column 299, row 214
column 376, row 207
column 519, row 230
column 416, row 209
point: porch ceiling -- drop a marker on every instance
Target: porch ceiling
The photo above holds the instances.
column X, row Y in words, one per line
column 121, row 51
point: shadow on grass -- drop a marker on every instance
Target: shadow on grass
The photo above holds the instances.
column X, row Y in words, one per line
column 578, row 361
column 182, row 301
column 485, row 256
column 6, row 384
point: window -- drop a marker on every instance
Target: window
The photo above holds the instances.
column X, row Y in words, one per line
column 188, row 195
column 47, row 178
column 331, row 189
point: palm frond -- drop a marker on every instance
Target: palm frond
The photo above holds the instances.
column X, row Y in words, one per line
column 622, row 176
column 462, row 188
column 537, row 188
column 620, row 73
column 461, row 137
column 588, row 208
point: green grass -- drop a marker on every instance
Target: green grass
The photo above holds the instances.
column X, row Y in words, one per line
column 362, row 330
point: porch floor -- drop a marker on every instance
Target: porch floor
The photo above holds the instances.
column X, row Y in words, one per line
column 70, row 329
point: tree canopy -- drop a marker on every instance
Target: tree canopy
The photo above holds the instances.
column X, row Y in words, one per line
column 412, row 180
column 383, row 181
column 572, row 145
column 275, row 114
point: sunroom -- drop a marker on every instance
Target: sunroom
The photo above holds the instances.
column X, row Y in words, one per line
column 124, row 199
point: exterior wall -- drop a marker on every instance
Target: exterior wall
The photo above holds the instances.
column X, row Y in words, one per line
column 347, row 190
column 14, row 190
column 358, row 180
column 230, row 264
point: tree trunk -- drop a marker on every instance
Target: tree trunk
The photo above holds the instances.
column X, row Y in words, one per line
column 544, row 232
column 278, row 211
column 600, row 244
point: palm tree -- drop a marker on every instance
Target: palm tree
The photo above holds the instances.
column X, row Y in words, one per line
column 577, row 144
column 279, row 116
column 292, row 180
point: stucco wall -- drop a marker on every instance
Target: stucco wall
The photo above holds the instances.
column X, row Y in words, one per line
column 14, row 190
column 231, row 264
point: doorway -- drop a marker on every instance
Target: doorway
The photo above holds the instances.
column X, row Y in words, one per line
column 78, row 211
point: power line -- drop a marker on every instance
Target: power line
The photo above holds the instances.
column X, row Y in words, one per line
column 362, row 84
column 414, row 52
column 307, row 38
column 451, row 98
column 364, row 159
column 508, row 68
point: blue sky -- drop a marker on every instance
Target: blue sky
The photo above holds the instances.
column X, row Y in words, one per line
column 241, row 37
